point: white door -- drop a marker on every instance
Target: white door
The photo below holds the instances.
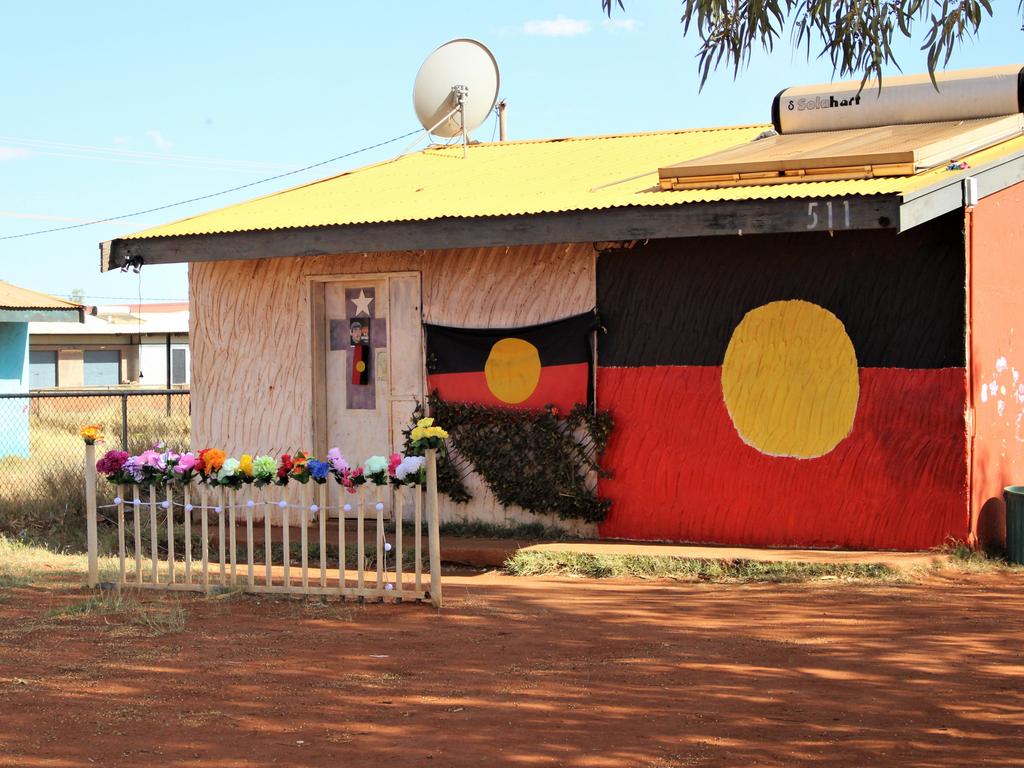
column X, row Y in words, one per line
column 374, row 362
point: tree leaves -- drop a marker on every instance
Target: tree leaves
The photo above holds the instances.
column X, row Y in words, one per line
column 855, row 35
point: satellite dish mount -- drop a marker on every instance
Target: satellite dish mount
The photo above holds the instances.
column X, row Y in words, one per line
column 456, row 89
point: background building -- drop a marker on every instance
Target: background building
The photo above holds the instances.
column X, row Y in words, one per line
column 118, row 345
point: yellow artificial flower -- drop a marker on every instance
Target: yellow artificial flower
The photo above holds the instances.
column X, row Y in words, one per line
column 91, row 434
column 436, row 432
column 245, row 465
column 428, row 422
column 418, row 433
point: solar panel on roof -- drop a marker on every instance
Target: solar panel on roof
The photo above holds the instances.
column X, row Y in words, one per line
column 862, row 153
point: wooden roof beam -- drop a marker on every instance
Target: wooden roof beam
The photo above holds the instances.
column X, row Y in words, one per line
column 728, row 217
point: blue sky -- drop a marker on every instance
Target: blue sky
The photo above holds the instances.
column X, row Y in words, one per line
column 115, row 107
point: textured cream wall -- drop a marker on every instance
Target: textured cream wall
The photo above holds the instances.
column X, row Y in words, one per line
column 250, row 332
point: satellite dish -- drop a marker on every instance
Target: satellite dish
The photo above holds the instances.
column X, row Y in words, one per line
column 456, row 88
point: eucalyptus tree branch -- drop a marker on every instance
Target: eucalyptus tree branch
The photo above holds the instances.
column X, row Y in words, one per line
column 856, row 36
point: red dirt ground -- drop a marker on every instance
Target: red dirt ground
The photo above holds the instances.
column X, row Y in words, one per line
column 529, row 672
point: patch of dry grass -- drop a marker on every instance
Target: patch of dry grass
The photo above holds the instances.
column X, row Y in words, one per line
column 154, row 617
column 23, row 564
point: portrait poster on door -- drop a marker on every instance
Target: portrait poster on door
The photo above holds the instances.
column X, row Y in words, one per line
column 357, row 336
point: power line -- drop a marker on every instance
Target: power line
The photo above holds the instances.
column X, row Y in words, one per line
column 65, row 149
column 214, row 194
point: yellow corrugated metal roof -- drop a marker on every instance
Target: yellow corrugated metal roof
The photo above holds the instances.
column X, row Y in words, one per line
column 15, row 297
column 523, row 178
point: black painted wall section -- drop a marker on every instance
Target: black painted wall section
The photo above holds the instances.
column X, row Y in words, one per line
column 677, row 302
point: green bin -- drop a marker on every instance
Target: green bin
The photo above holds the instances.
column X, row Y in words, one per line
column 1014, row 496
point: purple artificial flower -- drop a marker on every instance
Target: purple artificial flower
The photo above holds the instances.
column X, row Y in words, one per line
column 134, row 467
column 337, row 461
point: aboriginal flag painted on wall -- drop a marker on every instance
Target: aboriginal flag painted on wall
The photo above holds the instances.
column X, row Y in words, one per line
column 549, row 364
column 781, row 390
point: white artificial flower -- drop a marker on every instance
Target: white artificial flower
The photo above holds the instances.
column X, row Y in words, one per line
column 410, row 465
column 228, row 469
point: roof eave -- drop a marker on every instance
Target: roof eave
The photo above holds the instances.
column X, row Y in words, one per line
column 932, row 201
column 40, row 314
column 729, row 217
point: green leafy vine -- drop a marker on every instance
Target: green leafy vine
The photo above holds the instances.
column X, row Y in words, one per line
column 538, row 460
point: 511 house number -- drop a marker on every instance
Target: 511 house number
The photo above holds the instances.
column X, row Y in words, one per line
column 823, row 215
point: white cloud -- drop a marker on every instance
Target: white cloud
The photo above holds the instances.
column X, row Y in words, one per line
column 620, row 25
column 159, row 141
column 557, row 27
column 14, row 153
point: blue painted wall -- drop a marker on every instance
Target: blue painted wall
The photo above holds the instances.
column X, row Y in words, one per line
column 14, row 378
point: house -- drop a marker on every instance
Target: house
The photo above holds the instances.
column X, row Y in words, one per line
column 820, row 354
column 120, row 345
column 18, row 308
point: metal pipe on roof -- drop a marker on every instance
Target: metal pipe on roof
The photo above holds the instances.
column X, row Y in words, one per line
column 502, row 106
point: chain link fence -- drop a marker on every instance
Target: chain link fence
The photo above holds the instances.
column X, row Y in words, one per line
column 42, row 485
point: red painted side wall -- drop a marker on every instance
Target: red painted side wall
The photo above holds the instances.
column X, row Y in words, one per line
column 682, row 473
column 995, row 237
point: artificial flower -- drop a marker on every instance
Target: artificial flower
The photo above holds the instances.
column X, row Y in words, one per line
column 337, row 461
column 186, row 463
column 167, row 460
column 245, row 464
column 424, row 431
column 375, row 464
column 264, row 468
column 284, row 467
column 91, row 434
column 151, row 458
column 376, row 469
column 112, row 462
column 408, row 470
column 318, row 470
column 134, row 469
column 300, row 468
column 393, row 461
column 228, row 469
column 212, row 459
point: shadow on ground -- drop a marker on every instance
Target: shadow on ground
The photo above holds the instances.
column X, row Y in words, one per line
column 530, row 672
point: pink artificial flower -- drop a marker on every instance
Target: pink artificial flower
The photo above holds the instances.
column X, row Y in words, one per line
column 337, row 461
column 186, row 463
column 112, row 462
column 393, row 461
column 149, row 458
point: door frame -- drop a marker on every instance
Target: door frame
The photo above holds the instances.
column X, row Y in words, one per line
column 316, row 287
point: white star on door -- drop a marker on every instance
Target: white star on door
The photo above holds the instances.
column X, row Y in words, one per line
column 362, row 302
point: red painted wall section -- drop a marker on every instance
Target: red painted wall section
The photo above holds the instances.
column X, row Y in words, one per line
column 682, row 472
column 995, row 235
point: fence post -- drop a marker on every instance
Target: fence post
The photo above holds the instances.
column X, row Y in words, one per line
column 434, row 531
column 124, row 421
column 90, row 513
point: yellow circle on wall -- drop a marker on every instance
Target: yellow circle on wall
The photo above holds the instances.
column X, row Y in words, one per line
column 790, row 379
column 512, row 370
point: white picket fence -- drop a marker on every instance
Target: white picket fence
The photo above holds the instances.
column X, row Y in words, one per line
column 216, row 513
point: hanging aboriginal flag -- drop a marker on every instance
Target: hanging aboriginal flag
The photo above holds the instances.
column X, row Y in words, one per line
column 531, row 367
column 781, row 390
